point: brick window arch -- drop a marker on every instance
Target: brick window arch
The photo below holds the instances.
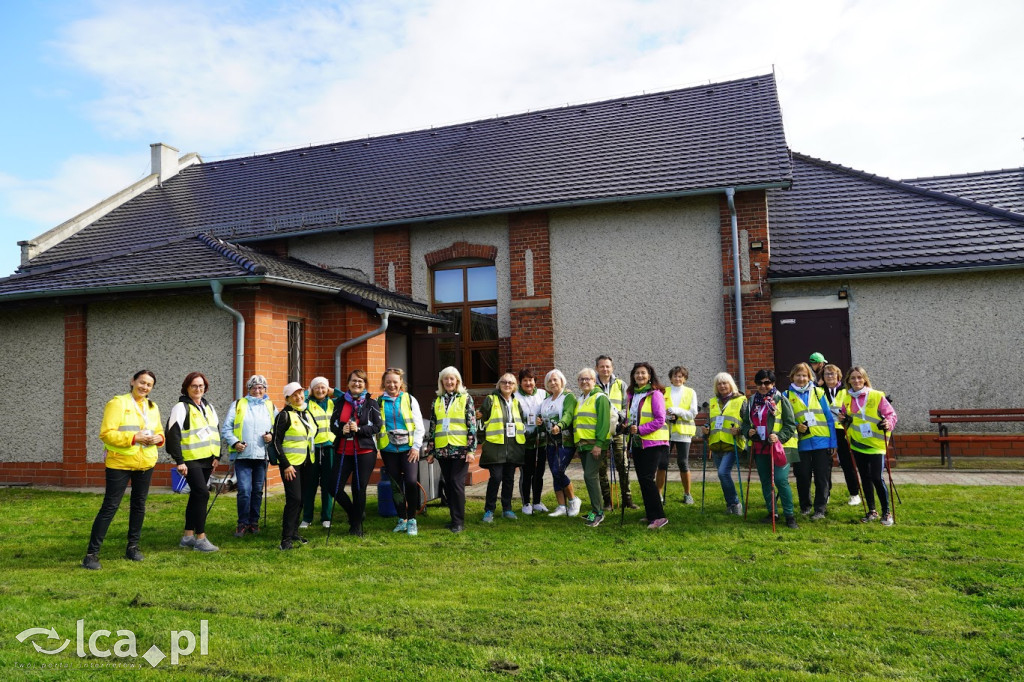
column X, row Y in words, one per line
column 464, row 288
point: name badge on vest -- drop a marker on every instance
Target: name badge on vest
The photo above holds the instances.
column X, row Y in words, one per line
column 204, row 433
column 719, row 422
column 510, row 429
column 444, row 424
column 865, row 430
column 811, row 420
column 531, row 418
column 761, row 431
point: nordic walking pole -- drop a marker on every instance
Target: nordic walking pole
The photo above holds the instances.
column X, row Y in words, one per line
column 750, row 468
column 853, row 461
column 704, row 457
column 266, row 484
column 771, row 458
column 739, row 468
column 220, row 486
column 889, row 470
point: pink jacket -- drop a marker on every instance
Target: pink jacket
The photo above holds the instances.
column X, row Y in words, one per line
column 657, row 399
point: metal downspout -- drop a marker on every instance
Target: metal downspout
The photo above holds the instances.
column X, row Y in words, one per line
column 730, row 194
column 218, row 289
column 384, row 315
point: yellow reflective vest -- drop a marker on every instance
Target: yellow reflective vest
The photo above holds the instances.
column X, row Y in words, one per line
column 680, row 427
column 405, row 408
column 864, row 432
column 647, row 416
column 324, row 435
column 457, row 434
column 201, row 439
column 494, row 431
column 720, row 420
column 812, row 410
column 242, row 409
column 123, row 417
column 297, row 443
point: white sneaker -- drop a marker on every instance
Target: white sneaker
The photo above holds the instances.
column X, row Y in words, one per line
column 854, row 501
column 528, row 509
column 539, row 508
column 574, row 506
column 559, row 511
column 327, row 524
column 304, row 524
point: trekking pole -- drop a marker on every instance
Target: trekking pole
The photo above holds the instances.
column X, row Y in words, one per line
column 337, row 486
column 611, row 471
column 266, row 484
column 892, row 486
column 220, row 486
column 750, row 468
column 704, row 457
column 771, row 458
column 739, row 469
column 853, row 461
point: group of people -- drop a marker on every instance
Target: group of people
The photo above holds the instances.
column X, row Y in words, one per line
column 329, row 440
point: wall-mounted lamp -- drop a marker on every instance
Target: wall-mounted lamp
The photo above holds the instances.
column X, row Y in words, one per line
column 844, row 294
column 757, row 246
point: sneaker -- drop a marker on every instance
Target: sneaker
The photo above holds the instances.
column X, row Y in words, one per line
column 204, row 545
column 356, row 530
column 657, row 523
column 240, row 530
column 645, row 521
column 325, row 524
column 402, row 527
column 132, row 552
column 791, row 523
column 539, row 508
column 456, row 528
column 574, row 506
column 632, row 505
column 854, row 501
column 187, row 541
column 768, row 518
column 488, row 517
column 254, row 528
column 736, row 509
column 596, row 521
column 870, row 516
column 304, row 524
column 688, row 499
column 92, row 562
column 560, row 510
column 818, row 516
column 508, row 514
column 887, row 520
column 528, row 509
column 608, row 507
column 805, row 511
column 589, row 518
column 299, row 539
column 412, row 527
column 286, row 545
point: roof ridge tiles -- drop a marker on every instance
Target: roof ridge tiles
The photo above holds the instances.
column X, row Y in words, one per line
column 973, row 174
column 230, row 251
column 64, row 265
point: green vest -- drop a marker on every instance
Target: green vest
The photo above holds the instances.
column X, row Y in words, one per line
column 804, row 413
column 242, row 408
column 866, row 419
column 495, row 428
column 680, row 427
column 298, row 440
column 731, row 418
column 585, row 422
column 457, row 434
column 405, row 408
column 324, row 435
column 202, row 439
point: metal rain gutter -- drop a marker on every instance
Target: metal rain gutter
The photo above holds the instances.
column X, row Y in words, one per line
column 730, row 194
column 218, row 301
column 384, row 315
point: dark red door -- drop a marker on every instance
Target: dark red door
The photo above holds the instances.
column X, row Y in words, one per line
column 800, row 333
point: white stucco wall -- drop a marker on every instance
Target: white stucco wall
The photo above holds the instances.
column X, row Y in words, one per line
column 346, row 253
column 640, row 282
column 171, row 336
column 32, row 358
column 488, row 231
column 943, row 341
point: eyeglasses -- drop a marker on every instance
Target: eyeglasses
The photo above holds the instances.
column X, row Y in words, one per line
column 506, row 381
column 766, row 382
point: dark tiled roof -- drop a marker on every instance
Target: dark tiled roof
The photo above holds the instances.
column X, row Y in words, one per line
column 837, row 220
column 193, row 262
column 1001, row 188
column 684, row 141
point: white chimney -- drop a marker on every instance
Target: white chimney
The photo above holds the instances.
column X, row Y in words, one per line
column 164, row 159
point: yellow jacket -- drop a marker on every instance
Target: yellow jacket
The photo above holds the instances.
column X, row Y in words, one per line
column 123, row 419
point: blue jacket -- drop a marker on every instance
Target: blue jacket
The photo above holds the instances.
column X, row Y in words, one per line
column 255, row 423
column 816, row 442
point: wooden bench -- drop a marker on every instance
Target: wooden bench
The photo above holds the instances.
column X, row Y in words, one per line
column 946, row 417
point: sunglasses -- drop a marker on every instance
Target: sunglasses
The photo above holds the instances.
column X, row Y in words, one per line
column 766, row 382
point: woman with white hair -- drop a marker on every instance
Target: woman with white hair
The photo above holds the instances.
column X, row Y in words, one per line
column 591, row 430
column 321, row 407
column 246, row 430
column 504, row 425
column 556, row 416
column 726, row 412
column 453, row 440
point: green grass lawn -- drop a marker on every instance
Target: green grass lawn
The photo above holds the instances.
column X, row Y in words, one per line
column 938, row 596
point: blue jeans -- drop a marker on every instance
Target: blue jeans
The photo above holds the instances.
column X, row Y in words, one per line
column 558, row 459
column 725, row 461
column 251, row 475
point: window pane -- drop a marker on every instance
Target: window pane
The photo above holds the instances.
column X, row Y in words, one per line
column 483, row 283
column 485, row 367
column 484, row 324
column 455, row 315
column 448, row 286
column 446, row 357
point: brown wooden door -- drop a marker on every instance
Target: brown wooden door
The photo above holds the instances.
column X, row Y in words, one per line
column 800, row 333
column 424, row 366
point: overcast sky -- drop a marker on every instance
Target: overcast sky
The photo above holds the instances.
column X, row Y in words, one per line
column 893, row 87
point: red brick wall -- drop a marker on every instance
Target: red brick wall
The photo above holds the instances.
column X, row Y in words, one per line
column 391, row 245
column 75, row 396
column 758, row 346
column 461, row 250
column 532, row 340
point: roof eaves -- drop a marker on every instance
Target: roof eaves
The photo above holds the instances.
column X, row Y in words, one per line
column 878, row 273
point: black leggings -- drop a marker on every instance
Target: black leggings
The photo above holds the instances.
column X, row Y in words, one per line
column 344, row 467
column 117, row 482
column 846, row 462
column 646, row 462
column 532, row 478
column 198, row 477
column 871, row 468
column 454, row 472
column 405, row 473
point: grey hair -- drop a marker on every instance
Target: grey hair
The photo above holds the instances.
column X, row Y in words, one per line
column 586, row 371
column 724, row 376
column 256, row 380
column 555, row 373
column 449, row 371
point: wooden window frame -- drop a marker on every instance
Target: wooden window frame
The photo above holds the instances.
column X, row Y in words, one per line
column 464, row 345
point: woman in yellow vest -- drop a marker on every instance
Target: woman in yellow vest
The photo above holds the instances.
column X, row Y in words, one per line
column 193, row 440
column 835, row 393
column 770, row 420
column 131, row 430
column 557, row 411
column 726, row 411
column 294, row 433
column 592, row 429
column 648, row 436
column 399, row 441
column 246, row 430
column 868, row 416
column 681, row 407
column 452, row 440
column 321, row 407
column 817, row 439
column 503, row 422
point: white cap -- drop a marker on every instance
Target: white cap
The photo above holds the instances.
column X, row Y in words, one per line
column 291, row 388
column 317, row 381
